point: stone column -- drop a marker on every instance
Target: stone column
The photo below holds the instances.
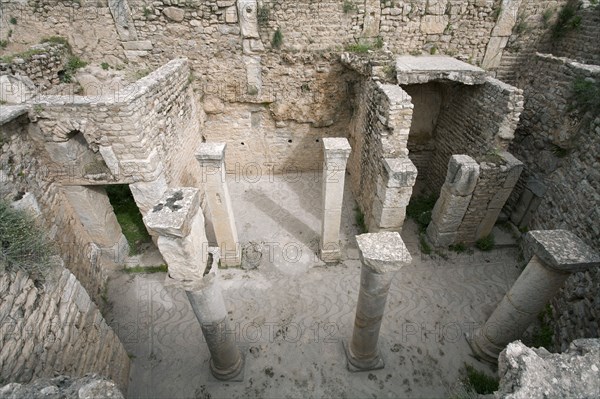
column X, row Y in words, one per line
column 336, row 152
column 212, row 161
column 382, row 255
column 455, row 197
column 178, row 220
column 554, row 255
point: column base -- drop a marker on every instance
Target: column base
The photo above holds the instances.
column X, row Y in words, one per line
column 230, row 259
column 330, row 255
column 488, row 353
column 353, row 365
column 235, row 374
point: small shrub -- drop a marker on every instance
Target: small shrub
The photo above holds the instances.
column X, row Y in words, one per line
column 480, row 382
column 23, row 244
column 496, row 13
column 521, row 27
column 433, row 50
column 105, row 66
column 359, row 219
column 57, row 40
column 13, row 20
column 128, row 216
column 74, row 63
column 348, row 6
column 486, row 243
column 3, row 43
column 458, row 248
column 566, row 22
column 546, row 15
column 277, row 39
column 558, row 151
column 263, row 15
column 358, row 48
column 587, row 94
column 378, row 42
column 147, row 12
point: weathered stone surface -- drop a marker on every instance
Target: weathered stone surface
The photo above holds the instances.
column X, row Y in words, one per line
column 10, row 112
column 422, row 69
column 174, row 13
column 122, row 19
column 434, row 24
column 535, row 373
column 16, row 89
column 247, row 12
column 88, row 387
column 138, row 45
column 383, row 252
column 561, row 250
column 172, row 215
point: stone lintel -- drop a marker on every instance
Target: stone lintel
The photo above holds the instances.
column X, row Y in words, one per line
column 209, row 153
column 172, row 214
column 561, row 250
column 400, row 172
column 422, row 69
column 383, row 252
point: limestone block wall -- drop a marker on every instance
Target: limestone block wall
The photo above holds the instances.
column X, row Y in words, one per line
column 41, row 64
column 498, row 174
column 379, row 131
column 560, row 148
column 474, row 120
column 25, row 170
column 55, row 328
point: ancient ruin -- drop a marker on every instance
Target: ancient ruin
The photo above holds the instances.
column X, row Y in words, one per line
column 259, row 198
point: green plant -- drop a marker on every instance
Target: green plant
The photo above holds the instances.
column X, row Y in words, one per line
column 13, row 20
column 496, row 13
column 359, row 219
column 485, row 243
column 480, row 382
column 147, row 270
column 9, row 34
column 3, row 43
column 558, row 151
column 458, row 248
column 23, row 244
column 128, row 216
column 74, row 63
column 566, row 21
column 105, row 66
column 147, row 12
column 277, row 39
column 348, row 6
column 587, row 94
column 141, row 73
column 378, row 42
column 358, row 48
column 419, row 209
column 546, row 15
column 263, row 14
column 543, row 334
column 433, row 50
column 57, row 40
column 521, row 26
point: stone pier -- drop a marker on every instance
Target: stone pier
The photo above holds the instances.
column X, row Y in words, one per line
column 554, row 255
column 454, row 200
column 336, row 152
column 212, row 161
column 179, row 222
column 382, row 255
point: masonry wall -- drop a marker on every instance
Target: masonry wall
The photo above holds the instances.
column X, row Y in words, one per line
column 474, row 120
column 55, row 328
column 559, row 144
column 40, row 64
column 26, row 169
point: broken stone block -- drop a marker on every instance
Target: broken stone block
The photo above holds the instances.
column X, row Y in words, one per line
column 174, row 13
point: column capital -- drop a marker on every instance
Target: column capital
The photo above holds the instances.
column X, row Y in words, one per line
column 209, row 153
column 383, row 252
column 400, row 172
column 171, row 216
column 336, row 148
column 561, row 250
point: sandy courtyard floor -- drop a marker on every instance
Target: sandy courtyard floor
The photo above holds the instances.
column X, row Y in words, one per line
column 290, row 312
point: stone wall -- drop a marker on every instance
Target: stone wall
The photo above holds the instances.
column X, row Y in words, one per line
column 64, row 387
column 581, row 44
column 41, row 64
column 474, row 120
column 55, row 328
column 559, row 145
column 26, row 173
column 378, row 137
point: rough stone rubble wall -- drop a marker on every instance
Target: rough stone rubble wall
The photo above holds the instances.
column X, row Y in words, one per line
column 55, row 329
column 24, row 168
column 560, row 149
column 581, row 44
column 379, row 130
column 42, row 67
column 474, row 120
